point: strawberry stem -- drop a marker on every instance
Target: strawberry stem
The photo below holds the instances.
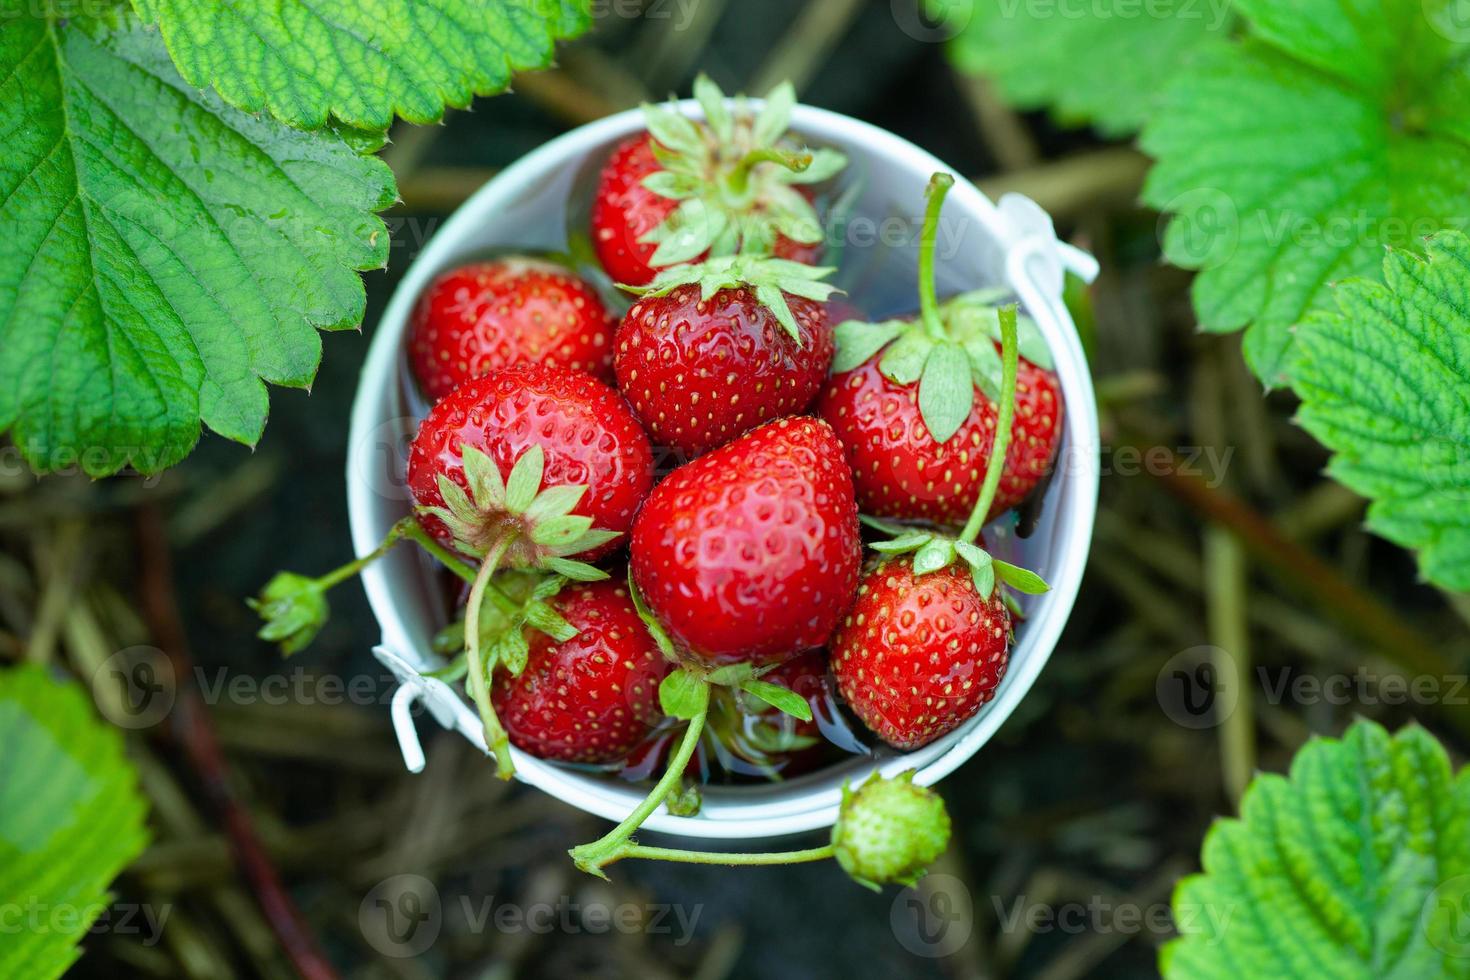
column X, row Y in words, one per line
column 496, row 739
column 939, row 186
column 614, row 845
column 739, row 180
column 1005, row 415
column 730, row 858
column 404, row 528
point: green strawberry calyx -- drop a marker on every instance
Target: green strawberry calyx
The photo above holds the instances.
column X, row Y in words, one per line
column 950, row 350
column 734, row 176
column 516, row 603
column 536, row 527
column 771, row 280
column 932, row 551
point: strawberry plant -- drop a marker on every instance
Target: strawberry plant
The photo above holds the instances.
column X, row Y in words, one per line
column 1353, row 865
column 71, row 818
column 174, row 249
column 1293, row 144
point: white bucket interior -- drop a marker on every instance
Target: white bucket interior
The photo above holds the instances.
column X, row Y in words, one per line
column 981, row 245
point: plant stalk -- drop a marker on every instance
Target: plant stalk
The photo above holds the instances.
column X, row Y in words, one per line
column 614, row 845
column 496, row 738
column 1005, row 416
column 939, row 186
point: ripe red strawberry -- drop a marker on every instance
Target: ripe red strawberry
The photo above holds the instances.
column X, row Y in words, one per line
column 901, row 471
column 703, row 363
column 917, row 655
column 914, row 401
column 490, row 315
column 592, row 698
column 751, row 553
column 686, row 190
column 586, row 434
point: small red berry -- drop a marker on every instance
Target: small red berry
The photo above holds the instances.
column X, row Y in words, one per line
column 490, row 315
column 587, row 432
column 918, row 655
column 701, row 372
column 900, row 470
column 593, row 698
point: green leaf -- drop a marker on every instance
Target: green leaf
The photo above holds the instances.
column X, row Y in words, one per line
column 524, row 481
column 1354, row 866
column 71, row 818
column 683, row 694
column 933, row 556
column 975, row 316
column 783, row 699
column 655, row 629
column 542, row 616
column 1292, row 157
column 946, row 390
column 905, row 358
column 577, row 571
column 487, row 489
column 1020, row 579
column 1088, row 63
column 903, row 544
column 716, row 109
column 363, row 61
column 511, row 651
column 857, row 341
column 554, row 502
column 165, row 254
column 1385, row 384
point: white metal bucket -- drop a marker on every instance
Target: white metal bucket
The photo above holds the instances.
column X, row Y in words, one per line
column 982, row 244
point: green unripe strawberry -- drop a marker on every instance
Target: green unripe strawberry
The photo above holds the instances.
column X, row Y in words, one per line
column 889, row 831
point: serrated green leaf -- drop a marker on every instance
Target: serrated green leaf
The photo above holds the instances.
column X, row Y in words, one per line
column 903, row 361
column 1020, row 579
column 1354, row 866
column 857, row 341
column 363, row 61
column 946, row 390
column 986, row 369
column 1292, row 157
column 1385, row 384
column 655, row 629
column 933, row 556
column 1098, row 64
column 71, row 818
column 783, row 699
column 524, row 482
column 165, row 254
column 683, row 694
